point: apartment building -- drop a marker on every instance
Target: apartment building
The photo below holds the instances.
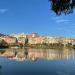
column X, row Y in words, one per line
column 8, row 39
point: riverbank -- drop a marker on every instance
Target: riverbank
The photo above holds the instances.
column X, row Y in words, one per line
column 47, row 46
column 58, row 46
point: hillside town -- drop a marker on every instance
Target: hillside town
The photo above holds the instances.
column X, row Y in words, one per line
column 34, row 38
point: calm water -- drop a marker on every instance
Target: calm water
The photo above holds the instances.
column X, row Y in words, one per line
column 37, row 62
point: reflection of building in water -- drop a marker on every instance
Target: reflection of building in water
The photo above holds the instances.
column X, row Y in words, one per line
column 7, row 53
column 34, row 54
column 54, row 54
column 61, row 54
column 21, row 55
column 38, row 54
column 68, row 54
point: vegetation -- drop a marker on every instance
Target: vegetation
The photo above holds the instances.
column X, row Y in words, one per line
column 62, row 6
column 3, row 44
column 49, row 46
column 26, row 41
column 41, row 46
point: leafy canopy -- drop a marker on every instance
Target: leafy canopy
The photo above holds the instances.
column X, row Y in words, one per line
column 62, row 6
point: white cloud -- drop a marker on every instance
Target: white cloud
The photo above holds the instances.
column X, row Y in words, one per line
column 55, row 18
column 62, row 21
column 3, row 10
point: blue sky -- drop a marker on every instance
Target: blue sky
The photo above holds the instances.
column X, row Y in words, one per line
column 29, row 16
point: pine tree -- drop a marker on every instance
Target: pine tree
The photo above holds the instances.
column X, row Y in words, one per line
column 62, row 6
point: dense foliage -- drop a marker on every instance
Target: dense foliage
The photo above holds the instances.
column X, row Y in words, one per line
column 3, row 44
column 62, row 6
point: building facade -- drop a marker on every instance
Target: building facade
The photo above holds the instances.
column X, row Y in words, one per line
column 9, row 40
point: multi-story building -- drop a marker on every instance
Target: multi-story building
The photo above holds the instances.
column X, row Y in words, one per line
column 34, row 35
column 21, row 40
column 68, row 40
column 63, row 40
column 19, row 35
column 9, row 40
column 50, row 39
column 36, row 40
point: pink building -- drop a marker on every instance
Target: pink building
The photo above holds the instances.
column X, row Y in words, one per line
column 9, row 40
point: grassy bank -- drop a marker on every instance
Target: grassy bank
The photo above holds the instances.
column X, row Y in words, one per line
column 41, row 46
column 47, row 46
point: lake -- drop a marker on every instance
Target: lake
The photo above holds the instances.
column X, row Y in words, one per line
column 37, row 62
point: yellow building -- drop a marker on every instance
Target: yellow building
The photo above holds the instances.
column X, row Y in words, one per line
column 50, row 39
column 36, row 40
column 19, row 35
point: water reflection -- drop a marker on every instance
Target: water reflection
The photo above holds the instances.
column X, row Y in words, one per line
column 34, row 54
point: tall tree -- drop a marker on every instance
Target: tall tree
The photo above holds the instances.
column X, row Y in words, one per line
column 62, row 6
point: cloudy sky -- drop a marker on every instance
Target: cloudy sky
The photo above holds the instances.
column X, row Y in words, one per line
column 29, row 16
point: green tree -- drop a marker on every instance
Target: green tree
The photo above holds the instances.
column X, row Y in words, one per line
column 26, row 41
column 3, row 44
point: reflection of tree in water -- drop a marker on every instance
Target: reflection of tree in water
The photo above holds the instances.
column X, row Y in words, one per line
column 26, row 53
column 15, row 51
column 2, row 51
